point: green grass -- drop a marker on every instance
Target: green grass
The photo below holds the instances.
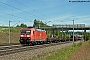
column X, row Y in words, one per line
column 12, row 29
column 61, row 54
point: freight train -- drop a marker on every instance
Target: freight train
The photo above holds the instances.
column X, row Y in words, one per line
column 32, row 36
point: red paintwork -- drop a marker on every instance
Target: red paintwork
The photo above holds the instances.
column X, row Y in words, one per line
column 35, row 35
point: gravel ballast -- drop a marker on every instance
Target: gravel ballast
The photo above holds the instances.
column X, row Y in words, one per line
column 33, row 53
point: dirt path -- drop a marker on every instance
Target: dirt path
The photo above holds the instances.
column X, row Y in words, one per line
column 83, row 53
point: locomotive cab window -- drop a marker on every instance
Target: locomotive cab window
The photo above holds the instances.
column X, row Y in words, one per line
column 25, row 31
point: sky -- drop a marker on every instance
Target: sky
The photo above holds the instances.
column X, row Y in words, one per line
column 55, row 11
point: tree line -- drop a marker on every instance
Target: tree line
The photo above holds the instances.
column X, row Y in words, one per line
column 37, row 23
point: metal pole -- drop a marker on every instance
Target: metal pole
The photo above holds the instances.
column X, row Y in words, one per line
column 9, row 33
column 62, row 30
column 39, row 25
column 82, row 34
column 73, row 31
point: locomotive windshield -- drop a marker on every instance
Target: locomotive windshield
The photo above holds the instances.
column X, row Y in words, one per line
column 25, row 31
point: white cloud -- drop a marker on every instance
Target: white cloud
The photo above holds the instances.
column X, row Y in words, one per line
column 82, row 19
column 67, row 19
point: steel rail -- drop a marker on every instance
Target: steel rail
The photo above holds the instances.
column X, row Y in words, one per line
column 16, row 49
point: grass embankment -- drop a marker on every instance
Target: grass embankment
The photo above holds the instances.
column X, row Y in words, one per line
column 83, row 53
column 14, row 35
column 61, row 54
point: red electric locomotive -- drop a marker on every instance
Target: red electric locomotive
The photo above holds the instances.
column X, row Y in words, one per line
column 32, row 36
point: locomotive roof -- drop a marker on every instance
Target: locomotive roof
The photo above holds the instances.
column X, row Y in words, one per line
column 30, row 27
column 39, row 30
column 35, row 29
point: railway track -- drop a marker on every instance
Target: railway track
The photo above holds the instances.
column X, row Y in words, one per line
column 5, row 50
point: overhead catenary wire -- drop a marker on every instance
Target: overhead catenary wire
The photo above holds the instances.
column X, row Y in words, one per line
column 12, row 10
column 19, row 9
column 31, row 8
column 25, row 12
column 28, row 7
column 13, row 15
column 16, row 8
column 16, row 23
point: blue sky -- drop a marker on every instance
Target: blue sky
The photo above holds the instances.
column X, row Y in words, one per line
column 44, row 10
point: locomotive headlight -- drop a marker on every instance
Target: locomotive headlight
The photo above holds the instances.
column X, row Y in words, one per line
column 28, row 35
column 21, row 35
